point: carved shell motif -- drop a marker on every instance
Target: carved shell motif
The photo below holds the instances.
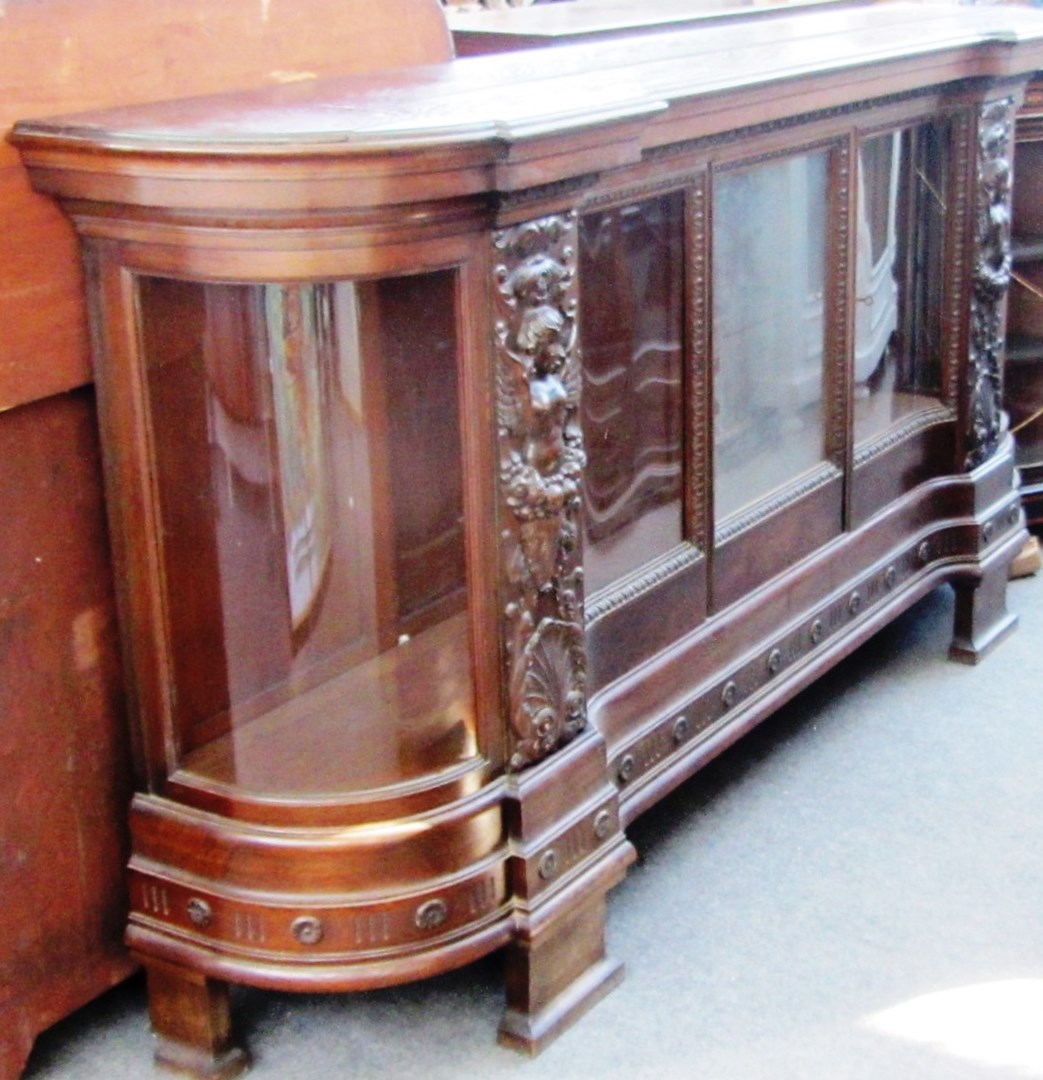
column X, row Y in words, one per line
column 550, row 693
column 541, row 477
column 992, row 270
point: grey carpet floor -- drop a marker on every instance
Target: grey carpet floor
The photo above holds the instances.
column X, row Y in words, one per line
column 854, row 892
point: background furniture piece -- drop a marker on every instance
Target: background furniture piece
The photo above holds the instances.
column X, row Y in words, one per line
column 1023, row 388
column 503, row 29
column 398, row 690
column 66, row 777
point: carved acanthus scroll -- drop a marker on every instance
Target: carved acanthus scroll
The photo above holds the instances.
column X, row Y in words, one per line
column 991, row 280
column 541, row 472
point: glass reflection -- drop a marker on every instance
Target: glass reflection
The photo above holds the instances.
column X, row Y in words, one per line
column 632, row 329
column 769, row 269
column 309, row 475
column 899, row 264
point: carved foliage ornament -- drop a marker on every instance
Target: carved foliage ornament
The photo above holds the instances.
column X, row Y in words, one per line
column 540, row 472
column 991, row 279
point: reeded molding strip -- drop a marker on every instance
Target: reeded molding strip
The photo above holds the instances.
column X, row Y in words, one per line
column 804, row 485
column 641, row 581
column 904, row 429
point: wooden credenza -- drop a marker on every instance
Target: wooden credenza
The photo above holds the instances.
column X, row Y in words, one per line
column 488, row 446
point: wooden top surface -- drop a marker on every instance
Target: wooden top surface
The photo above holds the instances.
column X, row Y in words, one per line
column 532, row 93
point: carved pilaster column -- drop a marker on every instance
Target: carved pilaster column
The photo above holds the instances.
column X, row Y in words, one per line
column 991, row 280
column 541, row 463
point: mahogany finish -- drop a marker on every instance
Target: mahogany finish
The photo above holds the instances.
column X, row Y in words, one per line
column 489, row 445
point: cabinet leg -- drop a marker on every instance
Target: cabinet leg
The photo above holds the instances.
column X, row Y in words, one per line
column 191, row 1020
column 982, row 620
column 556, row 974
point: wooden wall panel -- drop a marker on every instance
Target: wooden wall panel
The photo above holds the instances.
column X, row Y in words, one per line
column 64, row 770
column 62, row 56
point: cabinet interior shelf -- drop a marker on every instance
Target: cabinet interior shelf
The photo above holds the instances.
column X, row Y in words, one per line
column 1024, row 349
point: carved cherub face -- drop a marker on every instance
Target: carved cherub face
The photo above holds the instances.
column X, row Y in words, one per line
column 537, row 279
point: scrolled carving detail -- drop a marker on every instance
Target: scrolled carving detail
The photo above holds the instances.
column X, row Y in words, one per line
column 991, row 279
column 540, row 473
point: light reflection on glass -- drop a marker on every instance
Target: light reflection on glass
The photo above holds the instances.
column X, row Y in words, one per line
column 632, row 329
column 899, row 264
column 308, row 460
column 769, row 273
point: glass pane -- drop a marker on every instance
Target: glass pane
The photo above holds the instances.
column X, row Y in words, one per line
column 899, row 253
column 632, row 330
column 309, row 474
column 769, row 269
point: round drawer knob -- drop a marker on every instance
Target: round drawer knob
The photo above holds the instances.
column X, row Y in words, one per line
column 602, row 824
column 200, row 913
column 548, row 865
column 308, row 929
column 729, row 694
column 431, row 914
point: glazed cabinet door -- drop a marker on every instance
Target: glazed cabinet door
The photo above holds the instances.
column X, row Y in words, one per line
column 303, row 449
column 644, row 555
column 909, row 241
column 777, row 378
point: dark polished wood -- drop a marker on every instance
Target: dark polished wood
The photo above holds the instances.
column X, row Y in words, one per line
column 386, row 364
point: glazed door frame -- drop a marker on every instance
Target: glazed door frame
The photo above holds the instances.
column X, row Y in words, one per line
column 114, row 269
